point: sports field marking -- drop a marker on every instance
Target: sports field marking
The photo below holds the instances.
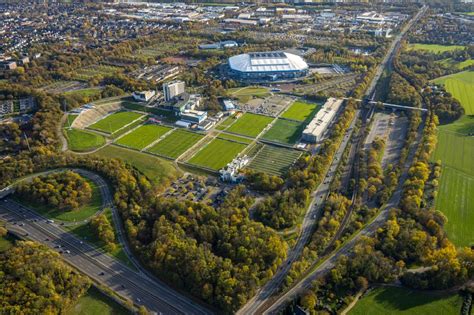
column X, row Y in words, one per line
column 250, row 125
column 175, row 143
column 301, row 111
column 112, row 123
column 217, row 153
column 143, row 136
column 284, row 131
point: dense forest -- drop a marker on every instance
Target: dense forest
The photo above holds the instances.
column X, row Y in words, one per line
column 65, row 191
column 35, row 280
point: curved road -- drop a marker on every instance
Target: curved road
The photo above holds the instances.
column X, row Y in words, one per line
column 139, row 287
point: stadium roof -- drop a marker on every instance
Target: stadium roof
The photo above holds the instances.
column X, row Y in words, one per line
column 267, row 62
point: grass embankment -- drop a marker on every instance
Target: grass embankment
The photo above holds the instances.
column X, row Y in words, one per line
column 155, row 169
column 391, row 300
column 95, row 302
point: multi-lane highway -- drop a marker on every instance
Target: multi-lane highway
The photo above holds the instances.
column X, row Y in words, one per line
column 261, row 301
column 136, row 286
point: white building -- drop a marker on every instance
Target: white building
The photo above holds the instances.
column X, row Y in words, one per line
column 173, row 89
column 315, row 130
column 143, row 96
column 230, row 173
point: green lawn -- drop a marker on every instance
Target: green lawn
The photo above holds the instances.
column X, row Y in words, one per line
column 250, row 124
column 455, row 198
column 176, row 143
column 84, row 92
column 6, row 242
column 143, row 136
column 390, row 300
column 80, row 214
column 461, row 86
column 95, row 302
column 285, row 131
column 274, row 160
column 449, row 62
column 227, row 136
column 217, row 153
column 82, row 140
column 155, row 169
column 247, row 93
column 435, row 48
column 114, row 122
column 225, row 123
column 301, row 111
column 70, row 119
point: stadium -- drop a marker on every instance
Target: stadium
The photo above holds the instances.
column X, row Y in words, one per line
column 267, row 66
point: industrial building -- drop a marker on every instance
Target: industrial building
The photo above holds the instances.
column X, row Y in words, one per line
column 267, row 66
column 173, row 89
column 315, row 130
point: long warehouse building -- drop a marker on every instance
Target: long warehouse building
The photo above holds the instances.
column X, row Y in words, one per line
column 315, row 130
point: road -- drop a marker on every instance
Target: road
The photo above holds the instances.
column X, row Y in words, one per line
column 259, row 302
column 368, row 230
column 139, row 287
column 307, row 227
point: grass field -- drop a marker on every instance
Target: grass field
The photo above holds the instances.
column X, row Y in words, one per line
column 392, row 300
column 461, row 87
column 455, row 198
column 250, row 124
column 155, row 169
column 301, row 111
column 86, row 73
column 84, row 92
column 116, row 121
column 143, row 136
column 80, row 214
column 70, row 119
column 82, row 140
column 217, row 153
column 95, row 302
column 225, row 123
column 435, row 48
column 285, row 131
column 274, row 160
column 227, row 136
column 176, row 143
column 247, row 93
column 449, row 62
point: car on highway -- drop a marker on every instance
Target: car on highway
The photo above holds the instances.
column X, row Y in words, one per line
column 101, row 273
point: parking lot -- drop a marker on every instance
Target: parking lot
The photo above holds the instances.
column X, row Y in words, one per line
column 270, row 106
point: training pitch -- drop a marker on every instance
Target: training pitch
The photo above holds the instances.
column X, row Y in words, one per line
column 250, row 124
column 217, row 153
column 143, row 136
column 115, row 122
column 175, row 143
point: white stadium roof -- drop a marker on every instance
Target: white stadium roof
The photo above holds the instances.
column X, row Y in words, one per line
column 267, row 62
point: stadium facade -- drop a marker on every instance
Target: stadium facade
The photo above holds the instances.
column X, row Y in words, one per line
column 267, row 66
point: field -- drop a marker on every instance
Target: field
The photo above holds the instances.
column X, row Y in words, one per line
column 217, row 153
column 300, row 111
column 143, row 136
column 455, row 198
column 116, row 121
column 274, row 160
column 84, row 92
column 284, row 131
column 86, row 73
column 250, row 124
column 82, row 141
column 225, row 123
column 435, row 48
column 155, row 169
column 404, row 301
column 460, row 85
column 80, row 214
column 227, row 136
column 176, row 143
column 247, row 93
column 95, row 302
column 449, row 62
